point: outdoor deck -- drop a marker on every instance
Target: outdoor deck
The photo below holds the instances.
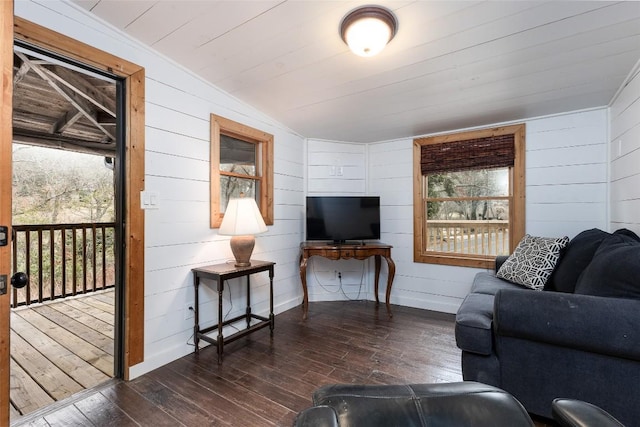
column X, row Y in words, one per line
column 60, row 348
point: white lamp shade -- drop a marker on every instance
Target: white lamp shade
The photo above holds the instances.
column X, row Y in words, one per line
column 367, row 36
column 242, row 217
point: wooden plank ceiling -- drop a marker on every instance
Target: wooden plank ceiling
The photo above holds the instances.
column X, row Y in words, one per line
column 452, row 64
column 58, row 107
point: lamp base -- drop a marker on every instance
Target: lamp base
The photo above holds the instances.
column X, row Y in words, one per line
column 242, row 247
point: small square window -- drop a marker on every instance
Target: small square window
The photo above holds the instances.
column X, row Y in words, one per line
column 241, row 164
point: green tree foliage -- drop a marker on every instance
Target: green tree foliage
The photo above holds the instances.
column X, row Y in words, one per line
column 60, row 187
column 438, row 186
column 52, row 187
column 470, row 184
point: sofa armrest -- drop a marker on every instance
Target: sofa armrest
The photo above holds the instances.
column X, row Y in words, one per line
column 317, row 416
column 576, row 413
column 608, row 326
column 500, row 259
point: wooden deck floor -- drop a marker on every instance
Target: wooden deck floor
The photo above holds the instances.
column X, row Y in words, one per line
column 60, row 348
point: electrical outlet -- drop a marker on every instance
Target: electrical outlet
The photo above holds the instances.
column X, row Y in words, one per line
column 189, row 313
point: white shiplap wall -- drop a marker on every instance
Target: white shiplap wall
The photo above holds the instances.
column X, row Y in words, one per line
column 566, row 190
column 337, row 169
column 567, row 173
column 625, row 156
column 177, row 235
column 566, row 180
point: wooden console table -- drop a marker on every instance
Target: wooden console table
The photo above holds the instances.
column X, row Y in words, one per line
column 336, row 251
column 220, row 273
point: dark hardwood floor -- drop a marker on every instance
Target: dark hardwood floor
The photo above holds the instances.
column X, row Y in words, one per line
column 266, row 381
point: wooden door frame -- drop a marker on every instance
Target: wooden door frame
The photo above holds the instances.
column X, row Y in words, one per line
column 6, row 65
column 134, row 80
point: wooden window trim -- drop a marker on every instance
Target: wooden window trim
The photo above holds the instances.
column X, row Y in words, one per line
column 222, row 125
column 516, row 212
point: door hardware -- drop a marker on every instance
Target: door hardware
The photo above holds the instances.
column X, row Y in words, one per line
column 4, row 232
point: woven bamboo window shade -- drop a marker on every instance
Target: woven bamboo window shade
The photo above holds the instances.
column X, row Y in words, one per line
column 480, row 153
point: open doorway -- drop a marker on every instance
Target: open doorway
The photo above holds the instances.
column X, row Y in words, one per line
column 67, row 226
column 133, row 78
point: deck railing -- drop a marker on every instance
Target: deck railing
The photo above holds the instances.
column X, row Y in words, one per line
column 63, row 260
column 490, row 237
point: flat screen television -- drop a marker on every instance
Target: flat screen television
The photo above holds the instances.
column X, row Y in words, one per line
column 343, row 218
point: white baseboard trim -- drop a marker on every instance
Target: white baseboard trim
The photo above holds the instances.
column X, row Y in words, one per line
column 441, row 306
column 350, row 296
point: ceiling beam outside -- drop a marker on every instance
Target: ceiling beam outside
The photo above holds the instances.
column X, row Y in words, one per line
column 19, row 75
column 78, row 102
column 60, row 142
column 65, row 122
column 82, row 87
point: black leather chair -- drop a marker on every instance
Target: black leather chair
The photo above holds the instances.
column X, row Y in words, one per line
column 576, row 413
column 435, row 405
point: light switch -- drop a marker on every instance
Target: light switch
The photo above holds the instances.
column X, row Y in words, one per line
column 149, row 200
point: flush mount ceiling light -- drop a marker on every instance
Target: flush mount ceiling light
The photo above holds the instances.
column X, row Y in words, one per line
column 368, row 29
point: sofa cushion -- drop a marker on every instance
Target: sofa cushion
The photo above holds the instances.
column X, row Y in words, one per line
column 614, row 270
column 475, row 315
column 473, row 324
column 592, row 324
column 488, row 283
column 574, row 259
column 628, row 233
column 533, row 261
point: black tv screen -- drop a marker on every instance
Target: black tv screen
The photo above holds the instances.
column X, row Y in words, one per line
column 343, row 218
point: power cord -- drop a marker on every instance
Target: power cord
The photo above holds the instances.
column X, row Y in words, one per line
column 359, row 286
column 226, row 315
column 230, row 309
column 315, row 276
column 192, row 344
column 341, row 285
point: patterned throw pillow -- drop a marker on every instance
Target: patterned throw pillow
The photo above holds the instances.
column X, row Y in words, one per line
column 533, row 261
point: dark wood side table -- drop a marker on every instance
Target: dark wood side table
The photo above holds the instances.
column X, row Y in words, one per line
column 336, row 251
column 220, row 273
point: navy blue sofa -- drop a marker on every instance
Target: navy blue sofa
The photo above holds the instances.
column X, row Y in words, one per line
column 579, row 338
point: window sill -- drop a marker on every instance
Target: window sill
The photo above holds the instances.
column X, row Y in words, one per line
column 458, row 260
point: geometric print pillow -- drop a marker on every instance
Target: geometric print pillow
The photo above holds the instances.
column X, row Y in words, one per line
column 533, row 261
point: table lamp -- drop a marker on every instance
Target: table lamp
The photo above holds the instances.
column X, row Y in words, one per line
column 242, row 219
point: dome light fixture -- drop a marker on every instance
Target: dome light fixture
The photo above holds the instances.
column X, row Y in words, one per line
column 368, row 29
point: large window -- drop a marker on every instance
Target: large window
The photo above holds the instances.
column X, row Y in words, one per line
column 469, row 196
column 241, row 164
